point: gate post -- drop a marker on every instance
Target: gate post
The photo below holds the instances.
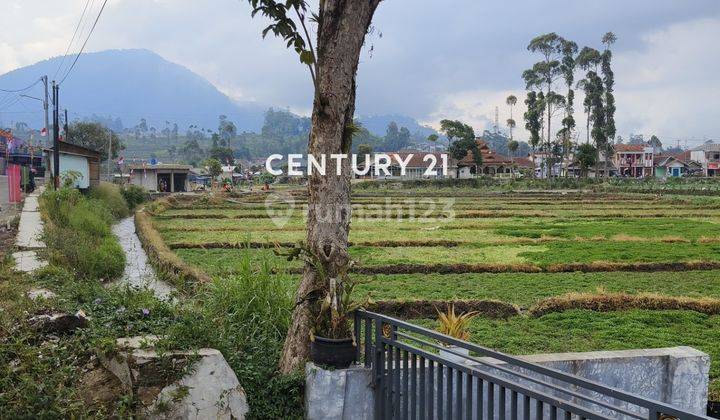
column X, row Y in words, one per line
column 379, row 370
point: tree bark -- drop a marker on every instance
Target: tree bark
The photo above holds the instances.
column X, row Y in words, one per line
column 341, row 33
column 549, row 138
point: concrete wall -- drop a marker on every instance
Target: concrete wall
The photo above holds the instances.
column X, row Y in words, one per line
column 343, row 394
column 148, row 182
column 677, row 376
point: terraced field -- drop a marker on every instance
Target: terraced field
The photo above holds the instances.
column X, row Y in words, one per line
column 570, row 271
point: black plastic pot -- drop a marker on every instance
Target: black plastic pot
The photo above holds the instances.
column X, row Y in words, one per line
column 713, row 409
column 337, row 353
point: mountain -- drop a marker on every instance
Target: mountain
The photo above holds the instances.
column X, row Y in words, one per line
column 130, row 85
column 377, row 124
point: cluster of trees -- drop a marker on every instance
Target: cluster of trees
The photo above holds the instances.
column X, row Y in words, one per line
column 96, row 136
column 396, row 138
column 282, row 132
column 463, row 140
column 142, row 130
column 551, row 85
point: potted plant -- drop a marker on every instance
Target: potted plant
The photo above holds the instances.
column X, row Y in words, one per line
column 332, row 342
column 455, row 326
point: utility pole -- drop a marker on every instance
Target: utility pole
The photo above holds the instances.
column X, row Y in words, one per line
column 109, row 156
column 56, row 135
column 45, row 106
column 67, row 129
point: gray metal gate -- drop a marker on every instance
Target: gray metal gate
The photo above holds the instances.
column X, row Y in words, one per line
column 417, row 375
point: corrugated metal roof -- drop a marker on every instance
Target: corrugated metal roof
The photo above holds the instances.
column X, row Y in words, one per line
column 710, row 147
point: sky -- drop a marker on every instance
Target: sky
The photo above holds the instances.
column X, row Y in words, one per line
column 429, row 60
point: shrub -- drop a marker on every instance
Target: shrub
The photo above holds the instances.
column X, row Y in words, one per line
column 134, row 195
column 88, row 255
column 112, row 197
column 156, row 207
column 57, row 203
column 246, row 317
column 52, row 275
column 78, row 235
column 92, row 217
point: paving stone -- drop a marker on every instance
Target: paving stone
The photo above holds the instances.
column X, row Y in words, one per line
column 35, row 294
column 30, row 231
column 31, row 203
column 28, row 261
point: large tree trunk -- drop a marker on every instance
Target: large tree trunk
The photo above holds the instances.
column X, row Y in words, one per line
column 341, row 33
column 549, row 129
column 607, row 158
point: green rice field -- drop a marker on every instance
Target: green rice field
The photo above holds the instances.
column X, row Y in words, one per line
column 516, row 248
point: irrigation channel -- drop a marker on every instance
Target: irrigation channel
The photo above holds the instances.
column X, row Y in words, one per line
column 138, row 271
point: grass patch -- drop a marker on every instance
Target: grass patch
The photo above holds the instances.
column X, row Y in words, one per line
column 584, row 330
column 620, row 252
column 77, row 231
column 246, row 317
column 646, row 228
column 525, row 290
column 114, row 199
column 605, row 302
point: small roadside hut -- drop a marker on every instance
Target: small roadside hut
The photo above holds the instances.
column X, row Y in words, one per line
column 79, row 159
column 161, row 177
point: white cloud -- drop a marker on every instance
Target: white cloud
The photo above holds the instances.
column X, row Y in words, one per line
column 8, row 58
column 477, row 108
column 672, row 87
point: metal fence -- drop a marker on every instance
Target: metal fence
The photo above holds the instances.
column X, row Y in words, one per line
column 421, row 374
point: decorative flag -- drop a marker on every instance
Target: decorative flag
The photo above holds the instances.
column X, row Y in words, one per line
column 121, row 161
column 44, row 132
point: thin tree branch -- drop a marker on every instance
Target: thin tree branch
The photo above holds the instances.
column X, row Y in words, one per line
column 313, row 67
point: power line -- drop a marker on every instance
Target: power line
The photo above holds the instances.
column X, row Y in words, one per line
column 21, row 90
column 67, row 50
column 10, row 103
column 84, row 43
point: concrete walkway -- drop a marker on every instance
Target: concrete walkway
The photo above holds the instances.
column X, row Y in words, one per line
column 29, row 235
column 138, row 272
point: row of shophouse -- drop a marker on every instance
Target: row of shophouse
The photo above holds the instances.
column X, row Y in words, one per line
column 628, row 161
column 643, row 161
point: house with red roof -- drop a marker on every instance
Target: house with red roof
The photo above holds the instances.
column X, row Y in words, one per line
column 492, row 164
column 634, row 160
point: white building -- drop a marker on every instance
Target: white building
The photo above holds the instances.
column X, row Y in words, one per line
column 707, row 155
column 161, row 177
